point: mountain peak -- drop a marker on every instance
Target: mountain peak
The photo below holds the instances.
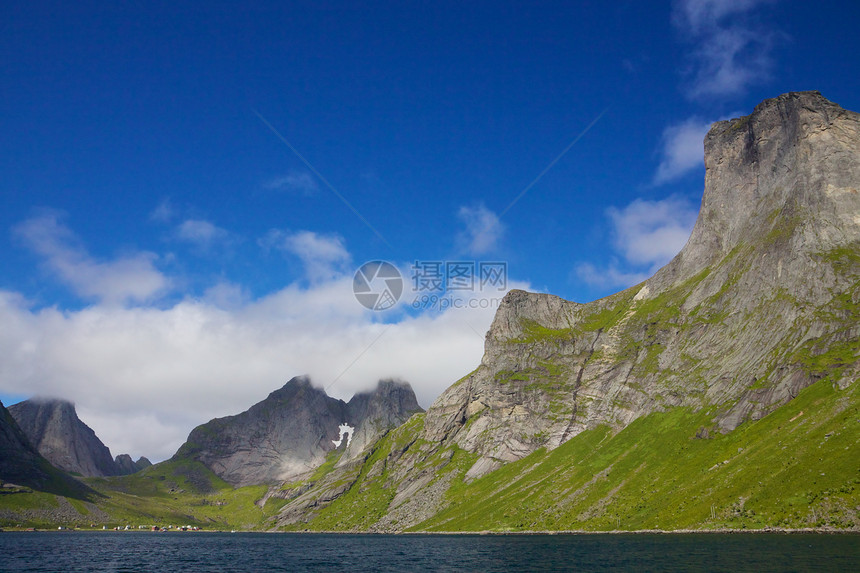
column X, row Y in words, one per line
column 21, row 464
column 53, row 427
column 782, row 178
column 292, row 431
column 374, row 412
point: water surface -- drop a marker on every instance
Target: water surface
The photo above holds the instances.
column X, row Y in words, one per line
column 226, row 552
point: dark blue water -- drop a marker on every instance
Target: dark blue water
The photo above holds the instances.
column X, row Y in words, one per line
column 226, row 552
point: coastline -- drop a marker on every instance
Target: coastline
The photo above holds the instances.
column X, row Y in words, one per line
column 571, row 532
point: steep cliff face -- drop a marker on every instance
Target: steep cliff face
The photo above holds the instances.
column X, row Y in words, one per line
column 19, row 460
column 763, row 301
column 22, row 465
column 62, row 438
column 290, row 433
column 760, row 303
column 374, row 413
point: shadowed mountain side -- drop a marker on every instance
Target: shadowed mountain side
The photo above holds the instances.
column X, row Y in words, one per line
column 69, row 444
column 53, row 426
column 22, row 465
column 290, row 433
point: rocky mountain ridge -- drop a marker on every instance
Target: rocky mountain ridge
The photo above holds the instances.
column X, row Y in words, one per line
column 730, row 321
column 54, row 428
column 22, row 465
column 126, row 465
column 292, row 431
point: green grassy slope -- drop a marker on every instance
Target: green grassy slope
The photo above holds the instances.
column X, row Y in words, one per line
column 797, row 467
column 373, row 489
column 170, row 493
column 184, row 492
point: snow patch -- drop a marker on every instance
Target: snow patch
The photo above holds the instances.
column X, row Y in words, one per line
column 346, row 432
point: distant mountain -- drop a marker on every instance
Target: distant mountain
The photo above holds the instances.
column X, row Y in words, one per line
column 125, row 465
column 291, row 432
column 54, row 428
column 22, row 465
column 374, row 413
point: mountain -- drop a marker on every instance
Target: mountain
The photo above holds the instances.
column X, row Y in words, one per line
column 292, row 431
column 54, row 428
column 19, row 460
column 762, row 303
column 22, row 465
column 125, row 465
column 374, row 413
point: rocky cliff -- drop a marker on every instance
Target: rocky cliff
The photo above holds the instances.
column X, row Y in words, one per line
column 742, row 318
column 762, row 302
column 22, row 465
column 54, row 428
column 290, row 433
column 62, row 438
column 19, row 460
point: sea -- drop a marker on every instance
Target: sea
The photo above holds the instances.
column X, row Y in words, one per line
column 229, row 552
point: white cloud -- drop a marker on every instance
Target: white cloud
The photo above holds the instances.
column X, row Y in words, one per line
column 323, row 256
column 682, row 149
column 144, row 377
column 652, row 232
column 731, row 53
column 700, row 15
column 647, row 234
column 295, row 181
column 128, row 278
column 202, row 234
column 483, row 230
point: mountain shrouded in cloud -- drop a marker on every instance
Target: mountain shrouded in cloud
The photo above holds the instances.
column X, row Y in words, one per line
column 54, row 428
column 290, row 433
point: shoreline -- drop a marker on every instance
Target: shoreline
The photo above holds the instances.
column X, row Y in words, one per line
column 571, row 532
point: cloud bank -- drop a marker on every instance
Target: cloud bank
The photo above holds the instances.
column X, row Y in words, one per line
column 143, row 375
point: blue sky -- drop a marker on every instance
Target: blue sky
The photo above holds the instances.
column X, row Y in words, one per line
column 167, row 257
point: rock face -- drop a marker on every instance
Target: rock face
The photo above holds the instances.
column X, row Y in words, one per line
column 125, row 465
column 54, row 428
column 766, row 283
column 374, row 413
column 22, row 465
column 763, row 301
column 291, row 432
column 19, row 460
